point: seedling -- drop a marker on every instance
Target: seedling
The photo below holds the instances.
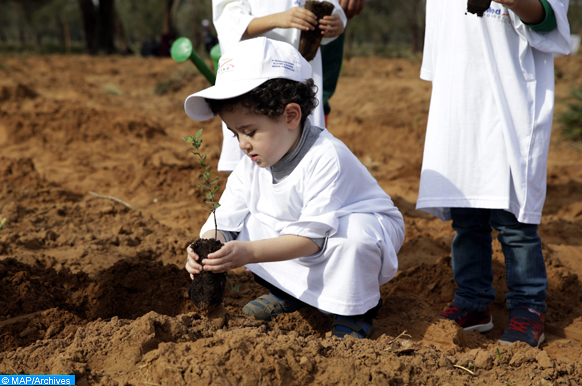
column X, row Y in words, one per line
column 3, row 222
column 207, row 289
column 206, row 174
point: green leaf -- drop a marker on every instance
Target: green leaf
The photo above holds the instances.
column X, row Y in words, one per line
column 210, row 196
column 216, row 205
column 198, row 134
column 203, row 186
column 214, row 189
column 214, row 181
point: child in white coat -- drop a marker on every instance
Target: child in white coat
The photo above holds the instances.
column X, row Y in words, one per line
column 300, row 210
column 486, row 148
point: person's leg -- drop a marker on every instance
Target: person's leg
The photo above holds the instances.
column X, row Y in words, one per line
column 331, row 61
column 471, row 254
column 345, row 279
column 525, row 269
column 370, row 242
column 276, row 302
column 526, row 279
column 472, row 270
column 357, row 326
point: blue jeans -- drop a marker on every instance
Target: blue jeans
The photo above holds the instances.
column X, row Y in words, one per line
column 525, row 269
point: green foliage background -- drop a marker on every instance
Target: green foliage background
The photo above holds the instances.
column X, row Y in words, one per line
column 384, row 28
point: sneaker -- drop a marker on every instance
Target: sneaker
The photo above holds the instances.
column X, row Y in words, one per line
column 469, row 320
column 266, row 307
column 525, row 325
column 357, row 327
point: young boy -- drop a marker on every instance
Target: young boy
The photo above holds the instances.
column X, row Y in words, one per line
column 299, row 211
column 486, row 149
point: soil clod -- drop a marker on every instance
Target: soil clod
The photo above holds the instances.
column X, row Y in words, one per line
column 478, row 6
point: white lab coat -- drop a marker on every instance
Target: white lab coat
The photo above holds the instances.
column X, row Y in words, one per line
column 330, row 195
column 491, row 109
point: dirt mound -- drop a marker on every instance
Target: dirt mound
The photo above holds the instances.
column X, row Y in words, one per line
column 100, row 199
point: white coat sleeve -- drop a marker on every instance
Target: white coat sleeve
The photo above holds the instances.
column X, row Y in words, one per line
column 556, row 41
column 337, row 10
column 231, row 19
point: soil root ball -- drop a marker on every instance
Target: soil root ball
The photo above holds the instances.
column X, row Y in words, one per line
column 207, row 288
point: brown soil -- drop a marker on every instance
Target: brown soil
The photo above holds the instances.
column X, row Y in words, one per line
column 92, row 287
column 478, row 6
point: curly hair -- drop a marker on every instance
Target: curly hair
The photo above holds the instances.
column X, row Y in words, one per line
column 271, row 98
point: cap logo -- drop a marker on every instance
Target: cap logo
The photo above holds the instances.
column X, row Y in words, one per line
column 283, row 64
column 225, row 65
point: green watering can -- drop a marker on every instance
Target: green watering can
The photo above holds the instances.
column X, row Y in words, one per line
column 182, row 50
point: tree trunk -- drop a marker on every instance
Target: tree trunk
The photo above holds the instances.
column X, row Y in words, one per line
column 107, row 26
column 168, row 31
column 66, row 34
column 124, row 47
column 167, row 27
column 90, row 25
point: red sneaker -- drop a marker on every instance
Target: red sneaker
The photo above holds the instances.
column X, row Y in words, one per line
column 525, row 325
column 469, row 320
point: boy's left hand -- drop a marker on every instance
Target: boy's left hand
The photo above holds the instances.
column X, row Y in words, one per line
column 331, row 26
column 232, row 255
column 192, row 265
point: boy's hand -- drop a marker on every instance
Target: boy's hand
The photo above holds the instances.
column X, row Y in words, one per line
column 192, row 265
column 296, row 17
column 232, row 255
column 331, row 26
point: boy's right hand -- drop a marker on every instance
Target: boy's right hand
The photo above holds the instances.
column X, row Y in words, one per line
column 192, row 265
column 299, row 18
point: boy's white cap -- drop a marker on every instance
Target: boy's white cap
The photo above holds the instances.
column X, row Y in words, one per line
column 247, row 65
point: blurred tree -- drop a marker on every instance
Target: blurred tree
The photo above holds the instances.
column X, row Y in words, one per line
column 575, row 16
column 99, row 20
column 386, row 28
column 168, row 30
column 189, row 18
column 106, row 23
column 89, row 25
